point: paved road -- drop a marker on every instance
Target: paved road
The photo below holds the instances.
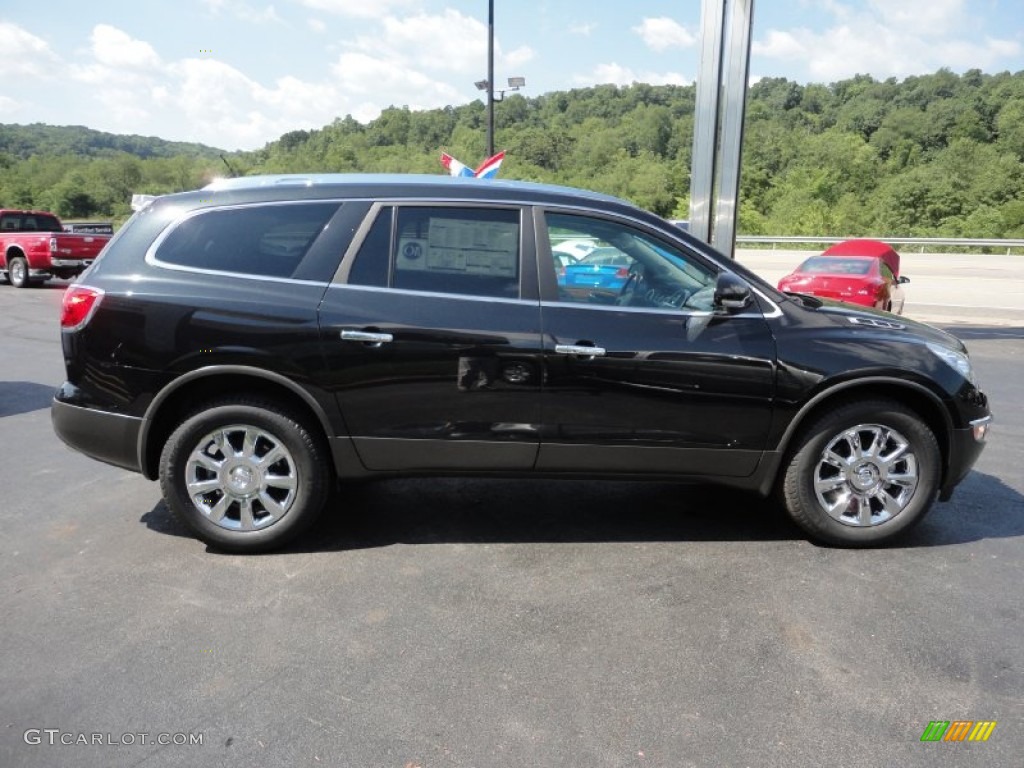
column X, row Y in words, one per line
column 490, row 623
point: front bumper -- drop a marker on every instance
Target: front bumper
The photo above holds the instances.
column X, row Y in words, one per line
column 965, row 446
column 108, row 437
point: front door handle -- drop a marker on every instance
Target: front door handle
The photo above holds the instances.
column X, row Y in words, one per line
column 582, row 350
column 373, row 338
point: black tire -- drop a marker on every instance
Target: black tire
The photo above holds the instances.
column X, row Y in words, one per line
column 228, row 486
column 881, row 479
column 17, row 272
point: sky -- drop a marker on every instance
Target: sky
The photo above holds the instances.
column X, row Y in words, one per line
column 237, row 74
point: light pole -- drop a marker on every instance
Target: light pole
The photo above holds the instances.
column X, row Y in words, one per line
column 490, row 78
column 514, row 83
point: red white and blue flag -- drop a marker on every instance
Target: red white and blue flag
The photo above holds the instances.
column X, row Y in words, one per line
column 488, row 169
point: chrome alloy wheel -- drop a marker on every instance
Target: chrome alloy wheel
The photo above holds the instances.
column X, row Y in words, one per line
column 866, row 475
column 241, row 478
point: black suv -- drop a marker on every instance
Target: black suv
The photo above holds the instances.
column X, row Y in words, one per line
column 250, row 343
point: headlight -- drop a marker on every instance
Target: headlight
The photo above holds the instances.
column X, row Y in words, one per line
column 958, row 361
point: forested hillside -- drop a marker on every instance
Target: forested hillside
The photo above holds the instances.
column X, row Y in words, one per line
column 936, row 155
column 81, row 173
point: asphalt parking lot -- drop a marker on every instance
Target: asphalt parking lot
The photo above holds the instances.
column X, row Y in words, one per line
column 494, row 623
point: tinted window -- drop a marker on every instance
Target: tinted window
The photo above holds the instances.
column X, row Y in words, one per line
column 627, row 267
column 29, row 222
column 266, row 240
column 836, row 265
column 371, row 264
column 457, row 250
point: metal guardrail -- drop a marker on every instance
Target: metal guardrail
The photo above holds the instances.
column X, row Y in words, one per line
column 923, row 242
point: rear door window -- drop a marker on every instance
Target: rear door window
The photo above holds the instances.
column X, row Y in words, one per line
column 442, row 249
column 457, row 250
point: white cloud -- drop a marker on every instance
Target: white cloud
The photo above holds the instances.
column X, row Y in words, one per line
column 448, row 42
column 243, row 11
column 781, row 45
column 582, row 29
column 22, row 54
column 316, row 25
column 513, row 59
column 370, row 9
column 618, row 75
column 923, row 17
column 890, row 39
column 116, row 49
column 661, row 33
column 228, row 109
column 8, row 106
column 390, row 80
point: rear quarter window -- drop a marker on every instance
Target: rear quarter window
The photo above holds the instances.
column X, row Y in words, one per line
column 265, row 240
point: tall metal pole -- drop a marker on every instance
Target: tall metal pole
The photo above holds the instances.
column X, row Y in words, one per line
column 490, row 78
column 718, row 129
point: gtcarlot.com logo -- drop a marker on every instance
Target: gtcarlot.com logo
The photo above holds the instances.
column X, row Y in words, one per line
column 55, row 737
column 958, row 730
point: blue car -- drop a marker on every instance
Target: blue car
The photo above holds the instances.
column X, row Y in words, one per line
column 605, row 269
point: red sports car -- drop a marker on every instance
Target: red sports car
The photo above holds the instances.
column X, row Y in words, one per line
column 865, row 272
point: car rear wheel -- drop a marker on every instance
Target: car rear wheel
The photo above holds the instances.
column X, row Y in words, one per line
column 17, row 271
column 245, row 475
column 862, row 474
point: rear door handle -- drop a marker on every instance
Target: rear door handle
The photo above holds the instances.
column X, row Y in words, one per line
column 581, row 350
column 374, row 338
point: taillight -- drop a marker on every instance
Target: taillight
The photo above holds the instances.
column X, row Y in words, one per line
column 53, row 245
column 622, row 272
column 78, row 305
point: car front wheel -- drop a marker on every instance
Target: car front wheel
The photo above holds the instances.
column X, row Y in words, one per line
column 245, row 475
column 862, row 474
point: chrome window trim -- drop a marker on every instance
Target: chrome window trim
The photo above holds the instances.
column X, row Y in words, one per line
column 776, row 310
column 434, row 294
column 152, row 260
column 634, row 310
column 240, row 275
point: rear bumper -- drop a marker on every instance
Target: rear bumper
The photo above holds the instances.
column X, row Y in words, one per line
column 79, row 263
column 108, row 437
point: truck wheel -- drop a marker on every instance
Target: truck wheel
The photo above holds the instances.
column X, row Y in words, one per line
column 244, row 474
column 862, row 474
column 17, row 271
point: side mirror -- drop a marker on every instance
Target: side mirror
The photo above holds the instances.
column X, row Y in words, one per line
column 902, row 280
column 731, row 293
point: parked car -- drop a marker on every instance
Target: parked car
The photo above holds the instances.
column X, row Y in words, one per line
column 602, row 271
column 250, row 343
column 572, row 250
column 35, row 248
column 865, row 272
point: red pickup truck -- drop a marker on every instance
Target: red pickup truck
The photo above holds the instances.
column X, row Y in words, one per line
column 34, row 248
